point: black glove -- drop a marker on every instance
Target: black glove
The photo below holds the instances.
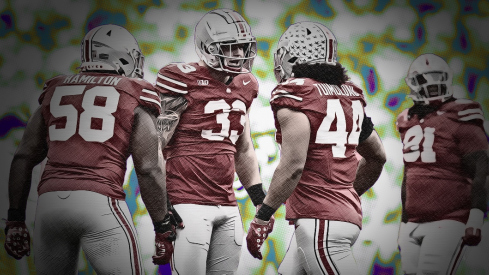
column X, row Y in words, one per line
column 165, row 234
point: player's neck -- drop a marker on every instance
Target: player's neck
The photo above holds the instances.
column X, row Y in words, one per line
column 221, row 76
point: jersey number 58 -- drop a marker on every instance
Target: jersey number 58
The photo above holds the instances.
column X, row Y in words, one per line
column 90, row 111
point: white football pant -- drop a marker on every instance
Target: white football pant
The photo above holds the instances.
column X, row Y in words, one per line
column 321, row 247
column 69, row 220
column 431, row 248
column 211, row 241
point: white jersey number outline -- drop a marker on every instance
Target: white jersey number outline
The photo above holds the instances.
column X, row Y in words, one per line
column 222, row 118
column 340, row 137
column 90, row 111
column 412, row 140
column 186, row 68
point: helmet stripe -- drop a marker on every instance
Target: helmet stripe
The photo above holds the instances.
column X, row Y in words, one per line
column 88, row 44
column 330, row 50
column 228, row 17
column 87, row 50
column 238, row 21
column 241, row 27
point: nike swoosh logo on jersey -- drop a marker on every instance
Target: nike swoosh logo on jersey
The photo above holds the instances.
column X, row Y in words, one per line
column 440, row 113
column 246, row 82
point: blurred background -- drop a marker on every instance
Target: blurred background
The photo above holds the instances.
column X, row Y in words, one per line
column 377, row 41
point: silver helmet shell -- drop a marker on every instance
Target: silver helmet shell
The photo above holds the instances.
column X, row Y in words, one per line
column 112, row 48
column 216, row 33
column 304, row 42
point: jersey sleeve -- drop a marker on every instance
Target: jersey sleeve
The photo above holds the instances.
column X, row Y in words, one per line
column 255, row 87
column 471, row 138
column 402, row 118
column 48, row 84
column 359, row 91
column 149, row 97
column 143, row 92
column 293, row 94
column 468, row 111
column 172, row 81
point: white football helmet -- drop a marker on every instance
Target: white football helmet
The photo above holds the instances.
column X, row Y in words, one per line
column 112, row 48
column 304, row 42
column 429, row 78
column 215, row 35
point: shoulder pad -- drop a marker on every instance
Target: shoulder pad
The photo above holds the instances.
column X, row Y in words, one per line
column 355, row 86
column 47, row 84
column 145, row 93
column 175, row 78
column 293, row 88
column 466, row 110
column 402, row 117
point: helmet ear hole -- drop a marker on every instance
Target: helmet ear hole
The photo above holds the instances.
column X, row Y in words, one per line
column 111, row 48
column 292, row 60
column 123, row 61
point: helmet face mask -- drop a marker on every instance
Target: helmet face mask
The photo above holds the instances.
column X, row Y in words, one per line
column 429, row 79
column 304, row 43
column 112, row 48
column 228, row 61
column 223, row 40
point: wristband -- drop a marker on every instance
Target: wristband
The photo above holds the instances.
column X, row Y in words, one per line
column 256, row 194
column 265, row 212
column 163, row 226
column 16, row 215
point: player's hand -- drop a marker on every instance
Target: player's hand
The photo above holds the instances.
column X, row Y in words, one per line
column 257, row 234
column 164, row 236
column 472, row 236
column 271, row 221
column 17, row 239
column 175, row 217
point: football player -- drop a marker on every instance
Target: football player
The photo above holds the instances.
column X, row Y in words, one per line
column 321, row 123
column 206, row 130
column 445, row 167
column 87, row 126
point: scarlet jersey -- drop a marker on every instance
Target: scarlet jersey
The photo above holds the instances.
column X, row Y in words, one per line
column 325, row 190
column 89, row 117
column 437, row 187
column 200, row 156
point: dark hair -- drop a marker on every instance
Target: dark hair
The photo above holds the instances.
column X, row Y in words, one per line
column 324, row 73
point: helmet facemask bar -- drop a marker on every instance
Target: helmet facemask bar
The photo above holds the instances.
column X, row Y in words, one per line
column 279, row 70
column 138, row 64
column 429, row 86
column 233, row 64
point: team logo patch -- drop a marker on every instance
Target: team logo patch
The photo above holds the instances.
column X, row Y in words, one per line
column 203, row 82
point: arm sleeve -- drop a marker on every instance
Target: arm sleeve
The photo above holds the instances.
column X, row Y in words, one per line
column 367, row 128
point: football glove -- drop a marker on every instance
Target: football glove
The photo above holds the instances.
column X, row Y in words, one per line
column 165, row 234
column 17, row 239
column 257, row 234
column 472, row 236
column 175, row 217
column 473, row 227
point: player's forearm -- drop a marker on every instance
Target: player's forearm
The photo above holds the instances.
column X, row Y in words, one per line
column 404, row 217
column 246, row 165
column 153, row 193
column 284, row 181
column 372, row 163
column 478, row 192
column 368, row 173
column 20, row 182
